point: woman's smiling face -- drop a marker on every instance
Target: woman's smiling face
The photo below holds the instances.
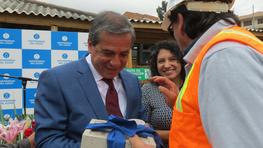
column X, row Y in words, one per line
column 168, row 65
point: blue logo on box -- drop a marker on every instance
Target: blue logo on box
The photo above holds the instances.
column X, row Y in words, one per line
column 36, row 75
column 6, row 55
column 36, row 36
column 64, row 40
column 30, row 97
column 10, row 38
column 64, row 56
column 7, row 83
column 36, row 58
column 6, row 95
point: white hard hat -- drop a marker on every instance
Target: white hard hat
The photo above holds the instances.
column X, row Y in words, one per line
column 192, row 5
column 172, row 4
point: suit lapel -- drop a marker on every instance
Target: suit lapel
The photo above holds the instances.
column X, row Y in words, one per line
column 89, row 86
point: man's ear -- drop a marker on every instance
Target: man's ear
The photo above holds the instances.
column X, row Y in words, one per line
column 182, row 35
column 90, row 46
column 180, row 22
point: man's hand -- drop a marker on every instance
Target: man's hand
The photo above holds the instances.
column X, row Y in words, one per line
column 168, row 88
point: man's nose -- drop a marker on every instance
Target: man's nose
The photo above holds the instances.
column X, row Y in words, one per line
column 115, row 61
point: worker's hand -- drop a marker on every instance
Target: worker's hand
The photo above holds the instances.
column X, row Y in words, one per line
column 136, row 142
column 168, row 88
column 31, row 139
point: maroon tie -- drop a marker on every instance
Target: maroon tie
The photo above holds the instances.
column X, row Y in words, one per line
column 112, row 103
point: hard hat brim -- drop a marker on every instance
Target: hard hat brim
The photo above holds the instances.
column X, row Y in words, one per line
column 166, row 21
column 196, row 6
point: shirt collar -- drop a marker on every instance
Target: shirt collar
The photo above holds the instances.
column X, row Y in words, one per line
column 187, row 49
column 197, row 45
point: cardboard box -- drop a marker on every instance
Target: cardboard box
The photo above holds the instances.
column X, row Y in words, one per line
column 96, row 139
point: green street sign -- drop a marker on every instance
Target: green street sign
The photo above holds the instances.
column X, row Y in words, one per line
column 141, row 73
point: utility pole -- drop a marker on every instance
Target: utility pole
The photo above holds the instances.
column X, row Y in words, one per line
column 253, row 17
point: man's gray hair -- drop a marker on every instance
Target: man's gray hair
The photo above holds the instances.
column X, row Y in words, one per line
column 111, row 22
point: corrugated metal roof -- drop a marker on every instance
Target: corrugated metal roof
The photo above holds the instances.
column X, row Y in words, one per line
column 34, row 7
column 142, row 18
column 40, row 8
column 145, row 21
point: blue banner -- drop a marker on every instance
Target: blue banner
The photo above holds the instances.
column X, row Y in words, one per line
column 12, row 112
column 10, row 38
column 36, row 58
column 64, row 40
column 30, row 97
column 8, row 83
column 26, row 53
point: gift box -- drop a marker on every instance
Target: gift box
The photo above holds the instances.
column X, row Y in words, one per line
column 98, row 139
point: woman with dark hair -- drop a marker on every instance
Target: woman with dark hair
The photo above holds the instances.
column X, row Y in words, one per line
column 167, row 61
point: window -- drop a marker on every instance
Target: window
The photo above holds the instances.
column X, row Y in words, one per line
column 260, row 21
column 136, row 47
column 144, row 57
column 141, row 54
column 247, row 23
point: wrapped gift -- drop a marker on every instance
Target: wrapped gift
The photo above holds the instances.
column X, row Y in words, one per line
column 99, row 137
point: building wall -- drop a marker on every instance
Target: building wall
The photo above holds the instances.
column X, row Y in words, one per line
column 252, row 21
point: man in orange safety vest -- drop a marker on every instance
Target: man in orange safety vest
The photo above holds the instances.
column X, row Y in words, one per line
column 221, row 102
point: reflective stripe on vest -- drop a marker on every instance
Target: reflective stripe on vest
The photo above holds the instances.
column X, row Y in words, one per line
column 186, row 129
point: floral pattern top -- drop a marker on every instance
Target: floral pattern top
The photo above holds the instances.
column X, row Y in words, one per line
column 158, row 112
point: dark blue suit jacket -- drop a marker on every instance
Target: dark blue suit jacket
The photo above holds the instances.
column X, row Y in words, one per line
column 68, row 98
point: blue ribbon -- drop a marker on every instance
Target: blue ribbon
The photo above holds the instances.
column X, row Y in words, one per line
column 120, row 128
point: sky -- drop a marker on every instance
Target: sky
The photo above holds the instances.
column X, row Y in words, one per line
column 241, row 7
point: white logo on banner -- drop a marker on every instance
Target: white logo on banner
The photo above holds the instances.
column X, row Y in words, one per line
column 10, row 58
column 6, row 40
column 83, row 41
column 6, row 74
column 61, row 57
column 7, row 80
column 6, row 36
column 64, row 38
column 36, row 39
column 36, row 56
column 64, row 42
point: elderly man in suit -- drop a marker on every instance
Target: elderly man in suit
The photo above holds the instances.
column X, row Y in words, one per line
column 69, row 96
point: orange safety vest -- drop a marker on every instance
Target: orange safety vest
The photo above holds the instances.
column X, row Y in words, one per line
column 186, row 129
